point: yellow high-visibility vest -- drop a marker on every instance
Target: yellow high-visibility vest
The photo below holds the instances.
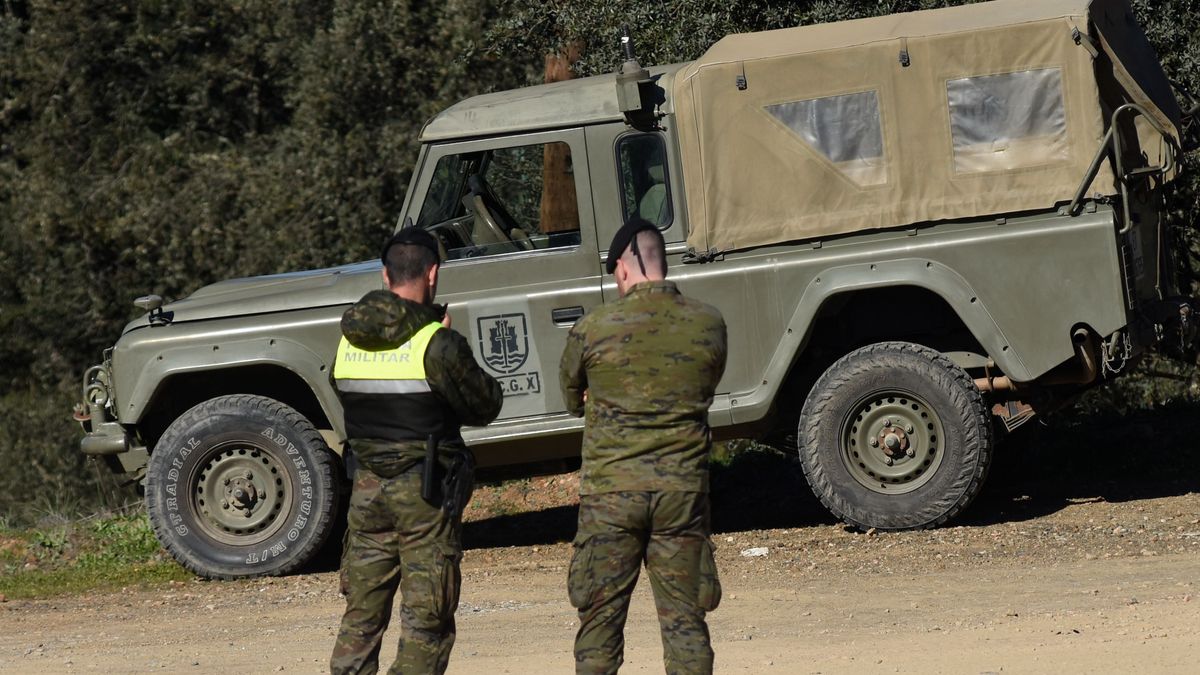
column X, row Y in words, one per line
column 388, row 371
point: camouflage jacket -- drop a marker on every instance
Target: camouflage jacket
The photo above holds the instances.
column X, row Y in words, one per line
column 383, row 320
column 649, row 363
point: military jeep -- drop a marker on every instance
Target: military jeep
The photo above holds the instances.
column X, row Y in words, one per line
column 922, row 230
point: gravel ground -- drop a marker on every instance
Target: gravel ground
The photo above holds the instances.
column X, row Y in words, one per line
column 1082, row 555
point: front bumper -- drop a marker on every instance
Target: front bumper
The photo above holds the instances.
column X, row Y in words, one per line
column 109, row 439
column 104, row 436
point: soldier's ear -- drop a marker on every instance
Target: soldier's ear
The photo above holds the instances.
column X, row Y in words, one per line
column 387, row 283
column 432, row 276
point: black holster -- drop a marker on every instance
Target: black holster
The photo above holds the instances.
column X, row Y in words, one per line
column 429, row 471
column 457, row 476
column 349, row 461
column 459, row 481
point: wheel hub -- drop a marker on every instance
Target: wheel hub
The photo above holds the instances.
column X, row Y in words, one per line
column 240, row 494
column 243, row 492
column 894, row 442
column 891, row 442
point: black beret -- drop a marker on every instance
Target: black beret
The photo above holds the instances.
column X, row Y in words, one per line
column 622, row 238
column 413, row 236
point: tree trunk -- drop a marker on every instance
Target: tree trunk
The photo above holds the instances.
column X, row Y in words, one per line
column 559, row 209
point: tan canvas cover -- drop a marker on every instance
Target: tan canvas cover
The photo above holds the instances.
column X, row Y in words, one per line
column 822, row 130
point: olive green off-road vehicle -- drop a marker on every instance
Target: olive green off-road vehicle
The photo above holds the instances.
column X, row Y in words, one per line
column 922, row 230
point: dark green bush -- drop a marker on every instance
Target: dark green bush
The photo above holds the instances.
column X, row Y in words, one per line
column 152, row 147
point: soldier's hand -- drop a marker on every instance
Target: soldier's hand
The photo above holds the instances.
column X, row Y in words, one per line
column 585, row 391
column 446, row 319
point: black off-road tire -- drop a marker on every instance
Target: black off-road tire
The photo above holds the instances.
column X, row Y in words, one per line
column 893, row 397
column 242, row 486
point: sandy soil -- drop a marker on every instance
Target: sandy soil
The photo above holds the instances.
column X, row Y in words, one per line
column 1091, row 586
column 1081, row 556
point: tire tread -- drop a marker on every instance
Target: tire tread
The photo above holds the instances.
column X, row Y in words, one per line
column 977, row 450
column 324, row 510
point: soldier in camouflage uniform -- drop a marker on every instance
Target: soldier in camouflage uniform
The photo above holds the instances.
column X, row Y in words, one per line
column 643, row 370
column 407, row 383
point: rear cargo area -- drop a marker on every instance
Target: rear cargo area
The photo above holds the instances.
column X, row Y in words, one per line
column 965, row 112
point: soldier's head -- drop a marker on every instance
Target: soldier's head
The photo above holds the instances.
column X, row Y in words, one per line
column 637, row 254
column 410, row 264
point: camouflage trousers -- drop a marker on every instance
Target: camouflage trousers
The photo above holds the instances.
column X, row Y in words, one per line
column 396, row 540
column 668, row 531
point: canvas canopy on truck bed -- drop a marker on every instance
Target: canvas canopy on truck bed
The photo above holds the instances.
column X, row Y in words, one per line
column 991, row 108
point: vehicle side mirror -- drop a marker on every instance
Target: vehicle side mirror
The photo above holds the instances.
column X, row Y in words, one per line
column 148, row 303
column 153, row 304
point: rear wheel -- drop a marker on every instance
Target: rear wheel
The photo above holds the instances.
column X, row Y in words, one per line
column 242, row 486
column 895, row 436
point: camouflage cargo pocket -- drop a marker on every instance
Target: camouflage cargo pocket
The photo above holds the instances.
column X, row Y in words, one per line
column 448, row 582
column 580, row 574
column 710, row 584
column 429, row 588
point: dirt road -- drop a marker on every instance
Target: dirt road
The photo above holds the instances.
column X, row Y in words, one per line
column 1094, row 587
column 1087, row 564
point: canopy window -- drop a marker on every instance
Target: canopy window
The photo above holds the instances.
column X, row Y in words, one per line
column 845, row 129
column 1009, row 121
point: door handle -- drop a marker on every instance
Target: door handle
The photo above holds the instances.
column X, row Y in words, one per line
column 565, row 316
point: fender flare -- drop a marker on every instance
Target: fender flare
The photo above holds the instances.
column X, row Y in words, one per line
column 834, row 281
column 283, row 353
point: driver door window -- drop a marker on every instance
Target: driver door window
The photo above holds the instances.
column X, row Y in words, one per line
column 503, row 200
column 509, row 213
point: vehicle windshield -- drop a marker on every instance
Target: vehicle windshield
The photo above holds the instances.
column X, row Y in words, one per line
column 442, row 201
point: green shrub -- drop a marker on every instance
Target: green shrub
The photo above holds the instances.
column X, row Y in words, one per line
column 95, row 553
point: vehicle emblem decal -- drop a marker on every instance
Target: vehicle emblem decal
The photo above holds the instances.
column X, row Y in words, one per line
column 504, row 342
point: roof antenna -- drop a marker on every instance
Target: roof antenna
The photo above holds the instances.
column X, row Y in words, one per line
column 630, row 95
column 627, row 45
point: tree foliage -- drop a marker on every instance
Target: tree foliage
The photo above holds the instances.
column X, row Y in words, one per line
column 152, row 147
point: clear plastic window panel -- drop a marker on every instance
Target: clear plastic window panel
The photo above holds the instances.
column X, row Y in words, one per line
column 846, row 129
column 1006, row 122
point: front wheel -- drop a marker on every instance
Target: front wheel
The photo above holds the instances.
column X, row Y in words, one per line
column 895, row 436
column 242, row 486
